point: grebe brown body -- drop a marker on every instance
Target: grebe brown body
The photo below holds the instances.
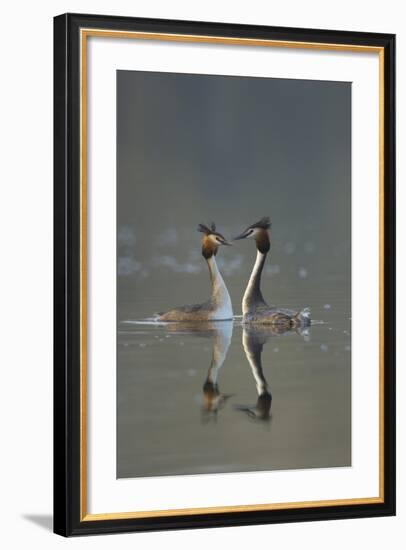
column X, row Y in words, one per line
column 218, row 307
column 254, row 307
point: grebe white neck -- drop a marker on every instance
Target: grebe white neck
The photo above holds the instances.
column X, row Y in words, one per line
column 252, row 296
column 219, row 293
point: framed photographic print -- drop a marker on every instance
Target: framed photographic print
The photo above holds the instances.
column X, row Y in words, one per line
column 224, row 274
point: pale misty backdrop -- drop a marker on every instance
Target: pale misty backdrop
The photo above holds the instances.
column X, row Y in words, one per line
column 199, row 148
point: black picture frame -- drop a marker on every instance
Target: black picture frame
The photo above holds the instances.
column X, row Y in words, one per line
column 67, row 352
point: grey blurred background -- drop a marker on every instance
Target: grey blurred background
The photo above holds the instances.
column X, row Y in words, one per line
column 197, row 148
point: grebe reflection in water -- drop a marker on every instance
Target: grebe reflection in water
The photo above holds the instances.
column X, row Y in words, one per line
column 253, row 341
column 221, row 333
column 213, row 399
column 254, row 338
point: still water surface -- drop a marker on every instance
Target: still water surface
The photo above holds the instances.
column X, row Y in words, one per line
column 223, row 397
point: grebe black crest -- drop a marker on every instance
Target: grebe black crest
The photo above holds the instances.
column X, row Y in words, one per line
column 254, row 307
column 218, row 307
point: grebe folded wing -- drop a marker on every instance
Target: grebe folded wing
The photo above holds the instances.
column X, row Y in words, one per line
column 277, row 316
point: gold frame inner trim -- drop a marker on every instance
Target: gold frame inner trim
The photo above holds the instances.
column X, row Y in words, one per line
column 84, row 34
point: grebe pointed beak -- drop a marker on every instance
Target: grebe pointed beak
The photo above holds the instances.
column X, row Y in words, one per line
column 227, row 243
column 243, row 235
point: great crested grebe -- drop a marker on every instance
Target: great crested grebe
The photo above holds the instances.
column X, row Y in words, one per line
column 218, row 307
column 254, row 307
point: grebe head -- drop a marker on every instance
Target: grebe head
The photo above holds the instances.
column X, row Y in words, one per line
column 259, row 232
column 211, row 240
column 211, row 394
